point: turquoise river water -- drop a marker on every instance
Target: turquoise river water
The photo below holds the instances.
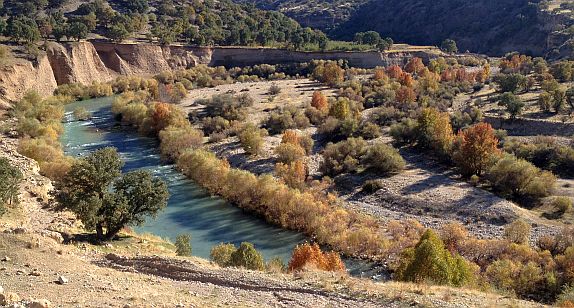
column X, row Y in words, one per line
column 210, row 220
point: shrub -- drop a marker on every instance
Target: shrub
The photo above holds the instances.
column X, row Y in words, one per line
column 306, row 254
column 221, row 254
column 518, row 232
column 512, row 103
column 561, row 205
column 183, row 245
column 248, row 257
column 215, row 125
column 81, row 114
column 274, row 89
column 474, row 148
column 566, row 298
column 518, row 178
column 10, row 178
column 227, row 106
column 371, row 186
column 307, row 143
column 176, row 140
column 286, row 118
column 545, row 153
column 251, row 139
column 434, row 131
column 275, row 265
column 404, row 132
column 289, row 152
column 293, row 174
column 343, row 156
column 384, row 159
column 370, row 131
column 430, row 261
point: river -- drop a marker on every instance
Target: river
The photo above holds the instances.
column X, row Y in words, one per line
column 210, row 220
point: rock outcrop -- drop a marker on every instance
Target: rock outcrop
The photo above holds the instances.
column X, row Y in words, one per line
column 77, row 63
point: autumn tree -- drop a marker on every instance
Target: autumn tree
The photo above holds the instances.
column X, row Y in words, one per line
column 405, row 95
column 320, row 101
column 434, row 131
column 414, row 65
column 311, row 255
column 474, row 148
column 293, row 174
column 333, row 74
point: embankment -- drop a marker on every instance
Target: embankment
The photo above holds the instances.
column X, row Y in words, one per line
column 98, row 61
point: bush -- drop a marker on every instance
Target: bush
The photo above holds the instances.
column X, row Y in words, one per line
column 518, row 232
column 176, row 140
column 517, row 178
column 430, row 261
column 371, row 186
column 289, row 152
column 384, row 159
column 183, row 245
column 293, row 174
column 275, row 265
column 274, row 89
column 370, row 131
column 306, row 255
column 344, row 156
column 221, row 254
column 286, row 118
column 10, row 178
column 215, row 125
column 251, row 139
column 404, row 132
column 545, row 153
column 248, row 257
column 561, row 205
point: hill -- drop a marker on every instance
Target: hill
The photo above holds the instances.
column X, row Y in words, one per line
column 493, row 27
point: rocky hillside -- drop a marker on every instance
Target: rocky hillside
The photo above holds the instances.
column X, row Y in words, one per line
column 484, row 26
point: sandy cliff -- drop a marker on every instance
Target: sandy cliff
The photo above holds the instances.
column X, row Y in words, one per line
column 77, row 62
column 24, row 76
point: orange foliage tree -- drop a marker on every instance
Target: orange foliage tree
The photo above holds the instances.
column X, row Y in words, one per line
column 379, row 74
column 474, row 148
column 311, row 255
column 395, row 72
column 414, row 65
column 293, row 174
column 320, row 101
column 290, row 136
column 405, row 95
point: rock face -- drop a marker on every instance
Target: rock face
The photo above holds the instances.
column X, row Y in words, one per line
column 77, row 63
column 24, row 76
column 97, row 61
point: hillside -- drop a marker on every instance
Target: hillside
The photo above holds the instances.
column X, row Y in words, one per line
column 493, row 27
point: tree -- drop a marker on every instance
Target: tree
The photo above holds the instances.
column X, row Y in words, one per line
column 77, row 30
column 434, row 131
column 512, row 103
column 474, row 148
column 320, row 101
column 385, row 44
column 414, row 65
column 86, row 192
column 10, row 178
column 183, row 245
column 570, row 98
column 248, row 257
column 371, row 38
column 430, row 261
column 449, row 46
column 22, row 28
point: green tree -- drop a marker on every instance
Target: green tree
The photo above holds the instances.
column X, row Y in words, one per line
column 86, row 192
column 22, row 28
column 221, row 254
column 449, row 46
column 512, row 103
column 248, row 257
column 10, row 178
column 183, row 245
column 77, row 30
column 430, row 261
column 510, row 82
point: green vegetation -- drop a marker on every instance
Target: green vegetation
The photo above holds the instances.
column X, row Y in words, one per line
column 429, row 261
column 246, row 256
column 10, row 178
column 85, row 191
column 183, row 245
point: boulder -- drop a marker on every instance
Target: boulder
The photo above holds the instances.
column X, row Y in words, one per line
column 42, row 303
column 63, row 280
column 9, row 298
